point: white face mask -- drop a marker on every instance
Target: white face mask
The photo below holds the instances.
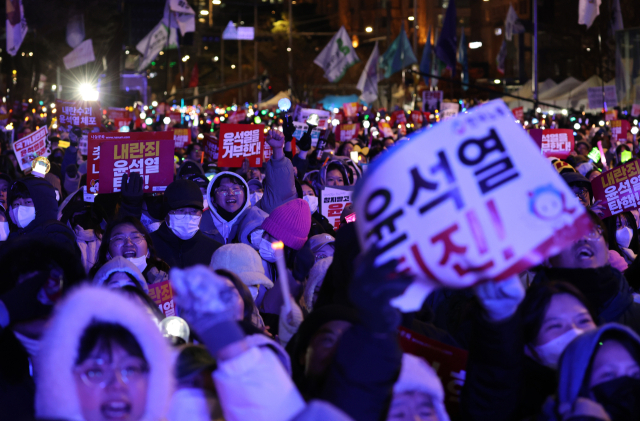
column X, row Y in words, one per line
column 23, row 216
column 4, row 230
column 623, row 236
column 140, row 262
column 312, row 201
column 185, row 227
column 255, row 197
column 149, row 223
column 266, row 252
column 256, row 238
column 549, row 353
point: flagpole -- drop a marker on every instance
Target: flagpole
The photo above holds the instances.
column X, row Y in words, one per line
column 535, row 52
column 290, row 52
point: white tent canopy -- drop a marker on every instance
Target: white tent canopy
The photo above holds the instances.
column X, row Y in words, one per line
column 578, row 97
column 526, row 91
column 273, row 102
column 561, row 88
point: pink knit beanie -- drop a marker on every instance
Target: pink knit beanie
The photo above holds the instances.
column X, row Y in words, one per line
column 290, row 223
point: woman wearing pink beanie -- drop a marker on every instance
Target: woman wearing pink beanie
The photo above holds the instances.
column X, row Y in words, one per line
column 289, row 223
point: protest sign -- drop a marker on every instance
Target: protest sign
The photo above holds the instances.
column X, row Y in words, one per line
column 113, row 113
column 210, row 147
column 162, row 294
column 84, row 114
column 635, row 110
column 449, row 363
column 333, row 201
column 449, row 110
column 619, row 130
column 618, row 188
column 398, row 117
column 351, row 109
column 518, row 114
column 469, row 200
column 431, row 100
column 30, row 147
column 181, row 138
column 175, row 116
column 301, row 128
column 611, row 115
column 302, row 114
column 237, row 116
column 385, row 129
column 240, row 141
column 346, row 132
column 417, row 118
column 556, row 143
column 594, row 96
column 94, row 149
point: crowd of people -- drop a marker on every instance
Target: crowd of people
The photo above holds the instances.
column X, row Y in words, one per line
column 81, row 338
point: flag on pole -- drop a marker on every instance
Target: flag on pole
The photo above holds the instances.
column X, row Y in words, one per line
column 151, row 45
column 398, row 56
column 448, row 41
column 463, row 58
column 623, row 79
column 502, row 55
column 368, row 83
column 16, row 26
column 588, row 10
column 337, row 56
column 512, row 24
column 178, row 14
column 437, row 66
column 425, row 62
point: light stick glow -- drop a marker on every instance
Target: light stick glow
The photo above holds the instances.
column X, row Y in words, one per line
column 278, row 248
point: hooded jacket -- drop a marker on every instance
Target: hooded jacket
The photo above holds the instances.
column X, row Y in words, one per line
column 180, row 253
column 56, row 396
column 321, row 181
column 574, row 365
column 45, row 224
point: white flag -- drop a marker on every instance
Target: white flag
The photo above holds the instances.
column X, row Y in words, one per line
column 337, row 56
column 80, row 55
column 588, row 10
column 152, row 44
column 368, row 83
column 16, row 26
column 178, row 14
column 512, row 25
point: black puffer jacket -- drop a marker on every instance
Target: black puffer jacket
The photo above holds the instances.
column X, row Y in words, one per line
column 181, row 253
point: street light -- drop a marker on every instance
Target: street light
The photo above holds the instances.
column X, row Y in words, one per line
column 216, row 58
column 88, row 92
column 368, row 29
column 411, row 18
column 475, row 45
column 233, row 66
column 204, row 12
column 497, row 81
column 217, row 2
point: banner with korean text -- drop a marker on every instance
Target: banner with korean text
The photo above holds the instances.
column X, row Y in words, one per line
column 468, row 200
column 162, row 294
column 84, row 114
column 332, row 202
column 240, row 141
column 30, row 147
column 557, row 143
column 618, row 188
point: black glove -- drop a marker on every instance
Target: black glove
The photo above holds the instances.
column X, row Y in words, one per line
column 75, row 134
column 132, row 188
column 288, row 128
column 304, row 144
column 372, row 289
column 22, row 301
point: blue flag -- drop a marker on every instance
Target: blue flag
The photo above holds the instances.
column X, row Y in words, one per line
column 425, row 63
column 398, row 56
column 448, row 41
column 463, row 58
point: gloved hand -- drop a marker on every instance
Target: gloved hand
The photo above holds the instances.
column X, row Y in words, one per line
column 75, row 134
column 304, row 144
column 289, row 323
column 22, row 301
column 275, row 139
column 500, row 299
column 208, row 303
column 288, row 128
column 132, row 188
column 371, row 290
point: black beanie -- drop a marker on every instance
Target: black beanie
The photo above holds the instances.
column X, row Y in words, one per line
column 183, row 194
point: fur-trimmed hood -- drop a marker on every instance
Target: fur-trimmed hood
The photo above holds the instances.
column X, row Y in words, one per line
column 56, row 396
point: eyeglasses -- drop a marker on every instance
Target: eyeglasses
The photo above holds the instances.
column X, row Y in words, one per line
column 181, row 213
column 595, row 234
column 583, row 193
column 97, row 373
column 227, row 191
column 135, row 238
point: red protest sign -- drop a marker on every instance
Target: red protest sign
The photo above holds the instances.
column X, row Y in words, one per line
column 162, row 294
column 96, row 149
column 635, row 110
column 237, row 116
column 619, row 130
column 618, row 188
column 30, row 147
column 211, row 147
column 385, row 129
column 611, row 115
column 518, row 113
column 346, row 132
column 448, row 362
column 398, row 117
column 181, row 137
column 556, row 143
column 240, row 141
column 84, row 114
column 350, row 109
column 118, row 113
column 417, row 117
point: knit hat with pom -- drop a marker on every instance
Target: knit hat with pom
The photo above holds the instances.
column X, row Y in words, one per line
column 290, row 223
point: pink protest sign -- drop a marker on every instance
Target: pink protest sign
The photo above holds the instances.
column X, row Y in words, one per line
column 556, row 143
column 618, row 188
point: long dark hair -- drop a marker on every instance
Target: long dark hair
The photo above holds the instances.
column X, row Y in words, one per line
column 536, row 303
column 153, row 260
column 611, row 224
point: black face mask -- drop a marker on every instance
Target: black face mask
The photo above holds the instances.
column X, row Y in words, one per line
column 619, row 397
